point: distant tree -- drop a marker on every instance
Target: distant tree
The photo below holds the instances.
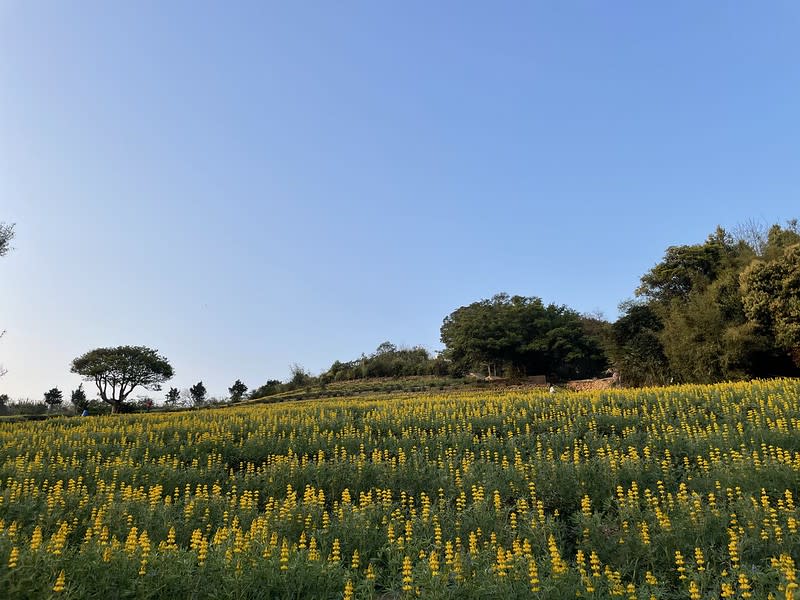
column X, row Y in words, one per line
column 172, row 396
column 771, row 297
column 118, row 371
column 385, row 348
column 300, row 377
column 78, row 398
column 198, row 393
column 53, row 397
column 272, row 386
column 237, row 391
column 4, row 400
column 754, row 233
column 779, row 239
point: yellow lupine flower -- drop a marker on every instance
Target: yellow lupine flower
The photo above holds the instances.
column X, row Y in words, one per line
column 60, row 584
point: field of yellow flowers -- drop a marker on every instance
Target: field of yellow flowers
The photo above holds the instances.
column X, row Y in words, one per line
column 683, row 492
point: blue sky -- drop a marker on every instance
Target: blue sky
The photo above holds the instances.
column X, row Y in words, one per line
column 244, row 186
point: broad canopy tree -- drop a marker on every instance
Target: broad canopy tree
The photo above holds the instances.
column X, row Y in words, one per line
column 518, row 335
column 118, row 371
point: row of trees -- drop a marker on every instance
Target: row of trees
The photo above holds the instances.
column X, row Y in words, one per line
column 724, row 309
column 728, row 308
column 196, row 395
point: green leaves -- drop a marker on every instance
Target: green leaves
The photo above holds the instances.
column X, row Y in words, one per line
column 117, row 371
column 771, row 298
column 520, row 335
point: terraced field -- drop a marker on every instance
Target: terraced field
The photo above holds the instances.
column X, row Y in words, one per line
column 683, row 492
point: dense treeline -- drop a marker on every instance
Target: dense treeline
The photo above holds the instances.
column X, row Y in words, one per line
column 728, row 308
column 724, row 309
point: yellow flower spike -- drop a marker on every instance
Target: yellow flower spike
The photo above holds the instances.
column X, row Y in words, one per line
column 694, row 591
column 348, row 590
column 60, row 584
column 406, row 573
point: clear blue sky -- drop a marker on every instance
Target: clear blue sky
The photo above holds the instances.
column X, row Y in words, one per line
column 243, row 186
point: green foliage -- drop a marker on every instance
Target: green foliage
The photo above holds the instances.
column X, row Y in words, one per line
column 636, row 349
column 172, row 396
column 118, row 371
column 78, row 398
column 685, row 269
column 198, row 393
column 53, row 397
column 771, row 297
column 300, row 377
column 237, row 391
column 387, row 361
column 272, row 386
column 516, row 335
column 708, row 311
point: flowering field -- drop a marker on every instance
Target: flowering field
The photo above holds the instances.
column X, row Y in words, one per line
column 685, row 492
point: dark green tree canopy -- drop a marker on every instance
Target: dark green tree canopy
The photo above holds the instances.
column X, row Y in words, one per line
column 688, row 268
column 172, row 396
column 520, row 335
column 771, row 296
column 78, row 398
column 237, row 390
column 53, row 397
column 198, row 393
column 119, row 370
column 709, row 312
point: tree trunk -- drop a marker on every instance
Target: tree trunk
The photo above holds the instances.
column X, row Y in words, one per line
column 116, row 407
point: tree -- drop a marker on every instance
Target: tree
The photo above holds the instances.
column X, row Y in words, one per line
column 300, row 377
column 119, row 370
column 688, row 268
column 6, row 235
column 4, row 400
column 272, row 386
column 198, row 393
column 637, row 353
column 172, row 396
column 237, row 391
column 771, row 297
column 517, row 335
column 78, row 398
column 53, row 397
